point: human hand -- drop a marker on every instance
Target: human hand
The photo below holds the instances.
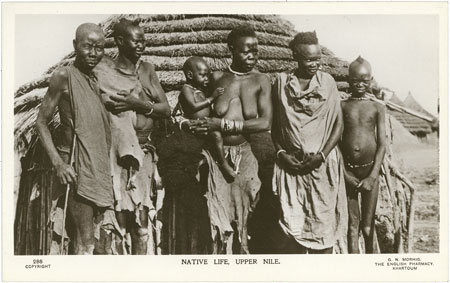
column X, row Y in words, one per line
column 366, row 184
column 204, row 126
column 218, row 92
column 66, row 174
column 351, row 180
column 291, row 164
column 124, row 101
column 312, row 161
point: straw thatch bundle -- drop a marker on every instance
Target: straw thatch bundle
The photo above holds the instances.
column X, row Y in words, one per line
column 415, row 125
column 171, row 39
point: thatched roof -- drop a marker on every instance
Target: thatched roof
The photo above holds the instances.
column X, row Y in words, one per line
column 413, row 124
column 171, row 39
column 412, row 103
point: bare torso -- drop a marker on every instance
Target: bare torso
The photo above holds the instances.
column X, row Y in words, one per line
column 144, row 123
column 239, row 101
column 359, row 139
column 199, row 96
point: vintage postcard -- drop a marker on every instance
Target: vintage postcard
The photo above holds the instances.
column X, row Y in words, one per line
column 238, row 141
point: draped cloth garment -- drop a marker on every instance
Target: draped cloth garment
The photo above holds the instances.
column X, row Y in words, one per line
column 232, row 203
column 124, row 137
column 313, row 206
column 93, row 139
column 91, row 157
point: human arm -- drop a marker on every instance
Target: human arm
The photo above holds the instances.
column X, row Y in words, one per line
column 313, row 161
column 188, row 100
column 350, row 179
column 262, row 122
column 367, row 183
column 154, row 102
column 57, row 88
column 288, row 162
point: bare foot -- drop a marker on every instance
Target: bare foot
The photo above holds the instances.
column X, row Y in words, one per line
column 227, row 171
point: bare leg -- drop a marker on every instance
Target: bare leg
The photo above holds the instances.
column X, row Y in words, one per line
column 224, row 166
column 81, row 213
column 139, row 234
column 353, row 220
column 241, row 210
column 120, row 242
column 368, row 207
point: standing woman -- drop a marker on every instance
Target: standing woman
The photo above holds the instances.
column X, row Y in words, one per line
column 308, row 175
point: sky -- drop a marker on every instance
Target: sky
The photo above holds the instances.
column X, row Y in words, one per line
column 403, row 49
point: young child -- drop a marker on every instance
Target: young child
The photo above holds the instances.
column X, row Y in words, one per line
column 363, row 146
column 197, row 105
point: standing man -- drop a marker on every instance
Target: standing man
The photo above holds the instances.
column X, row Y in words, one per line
column 84, row 122
column 132, row 92
column 244, row 107
column 308, row 175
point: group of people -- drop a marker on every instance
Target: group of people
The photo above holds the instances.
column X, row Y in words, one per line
column 328, row 151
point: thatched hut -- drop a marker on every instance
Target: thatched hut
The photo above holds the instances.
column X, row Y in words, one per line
column 412, row 103
column 171, row 39
column 416, row 126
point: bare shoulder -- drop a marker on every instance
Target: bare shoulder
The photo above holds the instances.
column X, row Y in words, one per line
column 186, row 91
column 60, row 73
column 59, row 78
column 108, row 61
column 217, row 75
column 380, row 107
column 147, row 67
column 261, row 77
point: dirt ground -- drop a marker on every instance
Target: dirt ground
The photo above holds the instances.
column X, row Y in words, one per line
column 420, row 163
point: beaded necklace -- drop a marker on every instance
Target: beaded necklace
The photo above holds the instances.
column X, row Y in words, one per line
column 237, row 73
column 358, row 98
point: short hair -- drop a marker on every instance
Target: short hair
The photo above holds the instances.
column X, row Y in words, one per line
column 238, row 32
column 191, row 62
column 309, row 37
column 121, row 28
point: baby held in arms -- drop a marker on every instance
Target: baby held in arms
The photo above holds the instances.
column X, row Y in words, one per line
column 197, row 103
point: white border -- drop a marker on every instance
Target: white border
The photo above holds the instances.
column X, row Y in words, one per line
column 169, row 268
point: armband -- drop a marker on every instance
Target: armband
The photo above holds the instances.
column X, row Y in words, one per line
column 280, row 151
column 181, row 123
column 151, row 110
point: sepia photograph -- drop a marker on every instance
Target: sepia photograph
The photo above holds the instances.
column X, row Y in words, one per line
column 237, row 134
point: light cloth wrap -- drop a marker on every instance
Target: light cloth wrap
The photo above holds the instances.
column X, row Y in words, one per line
column 124, row 139
column 93, row 139
column 104, row 219
column 135, row 199
column 313, row 206
column 232, row 202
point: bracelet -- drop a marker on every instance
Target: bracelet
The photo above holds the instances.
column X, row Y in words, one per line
column 323, row 156
column 226, row 125
column 181, row 123
column 151, row 110
column 280, row 151
column 222, row 125
column 239, row 127
column 231, row 126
